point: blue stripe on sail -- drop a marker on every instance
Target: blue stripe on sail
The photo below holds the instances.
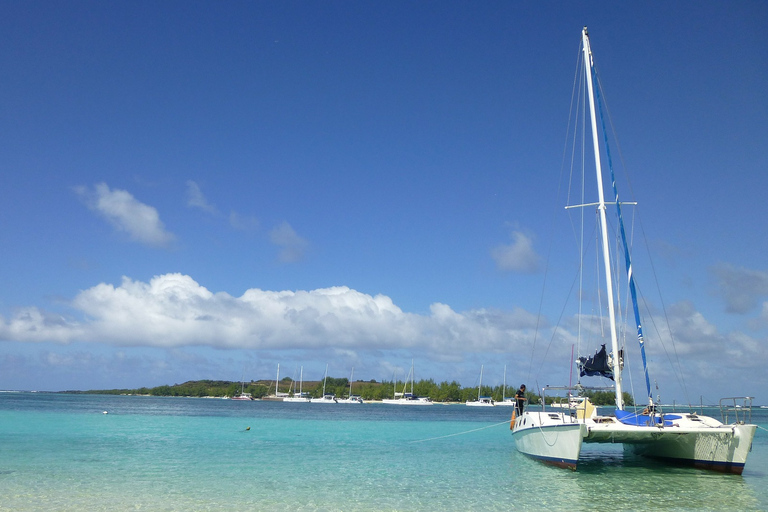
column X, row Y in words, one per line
column 627, row 259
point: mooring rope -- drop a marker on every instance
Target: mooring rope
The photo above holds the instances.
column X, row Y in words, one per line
column 460, row 433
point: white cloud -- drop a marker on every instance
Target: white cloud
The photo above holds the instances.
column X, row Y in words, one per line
column 173, row 310
column 125, row 213
column 761, row 322
column 519, row 256
column 196, row 199
column 292, row 246
column 740, row 287
column 242, row 222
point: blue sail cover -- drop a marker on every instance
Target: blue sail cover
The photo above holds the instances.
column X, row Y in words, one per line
column 595, row 365
column 645, row 420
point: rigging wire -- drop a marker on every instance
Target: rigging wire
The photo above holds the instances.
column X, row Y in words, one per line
column 553, row 222
column 676, row 363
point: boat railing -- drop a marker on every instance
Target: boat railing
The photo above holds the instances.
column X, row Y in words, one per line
column 737, row 407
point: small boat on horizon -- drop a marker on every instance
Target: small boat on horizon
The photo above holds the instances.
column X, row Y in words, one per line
column 301, row 397
column 482, row 401
column 407, row 398
column 351, row 399
column 327, row 398
column 242, row 395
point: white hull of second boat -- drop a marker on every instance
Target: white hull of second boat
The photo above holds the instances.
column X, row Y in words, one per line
column 550, row 437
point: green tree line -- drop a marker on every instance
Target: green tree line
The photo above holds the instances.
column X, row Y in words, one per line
column 369, row 390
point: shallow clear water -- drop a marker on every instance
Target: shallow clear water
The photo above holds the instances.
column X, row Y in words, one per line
column 60, row 452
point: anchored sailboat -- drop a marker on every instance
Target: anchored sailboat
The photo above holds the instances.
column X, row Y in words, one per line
column 509, row 401
column 482, row 401
column 407, row 398
column 301, row 396
column 687, row 438
column 351, row 399
column 327, row 398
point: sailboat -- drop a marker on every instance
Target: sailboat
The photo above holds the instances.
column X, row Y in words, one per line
column 407, row 398
column 242, row 395
column 681, row 438
column 482, row 401
column 327, row 398
column 509, row 401
column 301, row 397
column 279, row 396
column 351, row 399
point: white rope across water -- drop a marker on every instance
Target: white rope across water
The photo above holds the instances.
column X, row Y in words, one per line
column 460, row 433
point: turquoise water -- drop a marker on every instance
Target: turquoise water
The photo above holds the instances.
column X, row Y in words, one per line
column 60, row 452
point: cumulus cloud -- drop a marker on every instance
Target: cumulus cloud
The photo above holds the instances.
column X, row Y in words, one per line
column 292, row 246
column 140, row 221
column 196, row 199
column 741, row 288
column 243, row 222
column 518, row 256
column 173, row 310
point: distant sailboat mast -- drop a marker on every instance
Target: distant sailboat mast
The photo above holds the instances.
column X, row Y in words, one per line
column 504, row 385
column 301, row 381
column 277, row 380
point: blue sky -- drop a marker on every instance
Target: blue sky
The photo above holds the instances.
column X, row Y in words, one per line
column 201, row 190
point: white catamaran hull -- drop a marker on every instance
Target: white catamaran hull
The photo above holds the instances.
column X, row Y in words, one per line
column 720, row 448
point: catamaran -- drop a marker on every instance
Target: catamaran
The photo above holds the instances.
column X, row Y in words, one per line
column 482, row 401
column 301, row 397
column 407, row 398
column 682, row 438
column 327, row 398
column 242, row 395
column 351, row 399
column 508, row 401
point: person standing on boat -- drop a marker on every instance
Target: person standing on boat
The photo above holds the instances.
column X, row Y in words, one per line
column 520, row 399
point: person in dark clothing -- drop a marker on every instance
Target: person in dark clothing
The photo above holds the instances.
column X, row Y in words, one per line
column 520, row 399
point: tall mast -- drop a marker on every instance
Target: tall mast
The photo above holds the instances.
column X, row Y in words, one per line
column 413, row 377
column 504, row 384
column 277, row 380
column 325, row 378
column 603, row 223
column 480, row 385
